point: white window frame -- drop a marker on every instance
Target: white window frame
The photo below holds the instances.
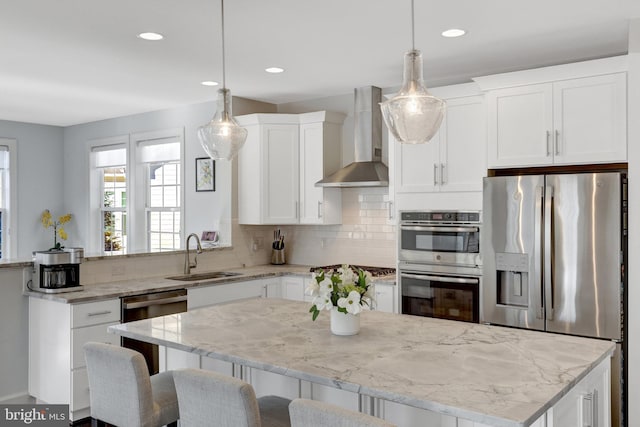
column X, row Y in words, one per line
column 96, row 208
column 138, row 222
column 173, row 209
column 10, row 214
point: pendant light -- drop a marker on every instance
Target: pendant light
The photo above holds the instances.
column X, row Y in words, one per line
column 413, row 115
column 222, row 137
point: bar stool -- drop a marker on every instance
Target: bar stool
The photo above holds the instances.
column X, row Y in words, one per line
column 211, row 399
column 122, row 392
column 305, row 413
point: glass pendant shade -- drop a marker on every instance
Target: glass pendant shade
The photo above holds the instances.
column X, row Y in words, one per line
column 413, row 115
column 222, row 137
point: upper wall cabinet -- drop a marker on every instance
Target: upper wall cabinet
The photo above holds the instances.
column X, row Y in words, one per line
column 320, row 156
column 283, row 158
column 565, row 121
column 454, row 160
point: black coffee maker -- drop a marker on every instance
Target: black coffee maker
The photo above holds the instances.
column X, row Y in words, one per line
column 57, row 270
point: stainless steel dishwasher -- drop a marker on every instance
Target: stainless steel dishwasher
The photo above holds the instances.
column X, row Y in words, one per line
column 146, row 306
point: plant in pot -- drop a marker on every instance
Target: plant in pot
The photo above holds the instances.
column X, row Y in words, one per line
column 345, row 293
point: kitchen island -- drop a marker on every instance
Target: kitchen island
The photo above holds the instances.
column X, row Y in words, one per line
column 477, row 373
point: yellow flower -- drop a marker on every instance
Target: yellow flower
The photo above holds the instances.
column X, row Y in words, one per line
column 47, row 221
column 64, row 219
column 45, row 218
column 62, row 233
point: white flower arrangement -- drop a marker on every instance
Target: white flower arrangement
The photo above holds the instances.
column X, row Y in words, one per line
column 344, row 289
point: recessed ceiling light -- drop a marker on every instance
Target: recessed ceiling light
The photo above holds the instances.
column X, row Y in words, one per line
column 209, row 83
column 151, row 36
column 274, row 70
column 453, row 32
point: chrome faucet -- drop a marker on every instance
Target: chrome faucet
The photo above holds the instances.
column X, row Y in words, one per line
column 187, row 264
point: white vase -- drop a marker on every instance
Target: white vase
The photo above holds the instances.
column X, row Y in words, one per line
column 344, row 323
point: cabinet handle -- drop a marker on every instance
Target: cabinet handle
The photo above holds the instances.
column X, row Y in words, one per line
column 435, row 174
column 390, row 209
column 557, row 146
column 441, row 173
column 99, row 313
column 548, row 138
column 295, row 205
column 319, row 209
column 590, row 409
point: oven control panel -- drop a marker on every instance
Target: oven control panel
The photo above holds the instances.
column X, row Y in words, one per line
column 441, row 216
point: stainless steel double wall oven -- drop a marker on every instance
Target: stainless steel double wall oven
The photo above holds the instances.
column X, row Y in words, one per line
column 439, row 265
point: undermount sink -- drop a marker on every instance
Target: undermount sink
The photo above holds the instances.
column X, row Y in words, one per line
column 204, row 276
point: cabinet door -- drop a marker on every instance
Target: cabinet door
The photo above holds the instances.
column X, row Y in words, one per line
column 417, row 166
column 280, row 182
column 587, row 403
column 520, row 124
column 293, row 288
column 463, row 145
column 217, row 294
column 385, row 298
column 318, row 205
column 590, row 119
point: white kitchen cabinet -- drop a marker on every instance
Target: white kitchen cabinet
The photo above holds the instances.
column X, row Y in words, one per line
column 268, row 191
column 571, row 121
column 586, row 404
column 320, row 156
column 454, row 160
column 57, row 332
column 385, row 297
column 217, row 294
column 283, row 158
column 293, row 288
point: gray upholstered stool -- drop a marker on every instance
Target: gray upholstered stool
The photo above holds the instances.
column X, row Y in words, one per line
column 122, row 392
column 305, row 413
column 211, row 399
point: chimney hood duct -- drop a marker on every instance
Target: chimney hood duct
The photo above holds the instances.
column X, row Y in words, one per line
column 368, row 169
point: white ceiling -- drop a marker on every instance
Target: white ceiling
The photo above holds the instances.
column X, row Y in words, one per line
column 65, row 62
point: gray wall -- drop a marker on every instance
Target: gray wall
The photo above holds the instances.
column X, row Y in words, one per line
column 41, row 165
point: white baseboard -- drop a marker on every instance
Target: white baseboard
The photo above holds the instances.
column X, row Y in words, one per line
column 17, row 398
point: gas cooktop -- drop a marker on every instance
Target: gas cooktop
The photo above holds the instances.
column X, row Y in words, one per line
column 375, row 271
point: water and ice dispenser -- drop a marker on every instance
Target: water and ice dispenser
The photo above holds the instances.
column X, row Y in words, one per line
column 513, row 279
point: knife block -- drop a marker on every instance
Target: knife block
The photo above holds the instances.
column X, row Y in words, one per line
column 277, row 256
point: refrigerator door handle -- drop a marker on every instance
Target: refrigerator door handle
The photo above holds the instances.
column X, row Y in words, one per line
column 538, row 242
column 549, row 247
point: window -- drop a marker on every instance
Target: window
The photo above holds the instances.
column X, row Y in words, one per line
column 136, row 193
column 3, row 191
column 8, row 199
column 159, row 156
column 109, row 198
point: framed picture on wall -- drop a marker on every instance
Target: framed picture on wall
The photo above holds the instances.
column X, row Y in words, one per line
column 205, row 174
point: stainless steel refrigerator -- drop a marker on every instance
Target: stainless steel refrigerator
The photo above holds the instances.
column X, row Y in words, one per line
column 554, row 252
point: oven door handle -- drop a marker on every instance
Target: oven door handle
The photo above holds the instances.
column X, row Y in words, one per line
column 440, row 278
column 443, row 229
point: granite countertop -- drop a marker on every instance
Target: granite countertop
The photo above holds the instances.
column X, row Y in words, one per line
column 493, row 375
column 101, row 291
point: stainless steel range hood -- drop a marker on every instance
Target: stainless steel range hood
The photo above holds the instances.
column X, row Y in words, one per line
column 368, row 169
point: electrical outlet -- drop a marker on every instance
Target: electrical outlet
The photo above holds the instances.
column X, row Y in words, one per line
column 27, row 278
column 257, row 243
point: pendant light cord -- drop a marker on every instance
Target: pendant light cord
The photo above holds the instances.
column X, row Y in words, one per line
column 224, row 86
column 413, row 29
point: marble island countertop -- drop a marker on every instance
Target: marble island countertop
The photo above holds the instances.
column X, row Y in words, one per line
column 117, row 289
column 492, row 375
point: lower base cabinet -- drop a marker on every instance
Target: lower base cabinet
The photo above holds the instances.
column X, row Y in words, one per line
column 57, row 332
